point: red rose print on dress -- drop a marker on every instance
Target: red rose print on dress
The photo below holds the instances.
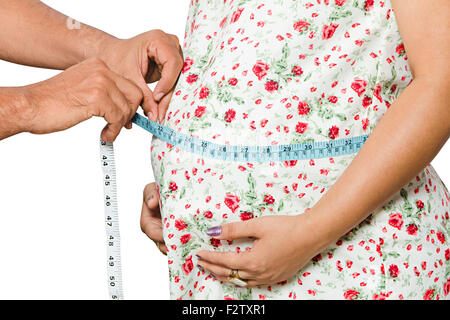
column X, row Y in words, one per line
column 447, row 287
column 394, row 271
column 291, row 163
column 381, row 296
column 301, row 26
column 236, row 15
column 191, row 78
column 303, row 108
column 359, row 86
column 185, row 238
column 368, row 5
column 395, row 220
column 188, row 265
column 180, row 225
column 328, row 31
column 204, row 93
column 269, row 199
column 420, row 204
column 429, row 294
column 351, row 294
column 208, row 214
column 412, row 229
column 230, row 115
column 301, row 127
column 188, row 62
column 173, row 186
column 333, row 133
column 215, row 242
column 233, row 81
column 367, row 101
column 400, row 49
column 441, row 237
column 332, row 99
column 200, row 111
column 246, row 216
column 297, row 70
column 232, row 202
column 377, row 92
column 260, row 69
column 271, row 86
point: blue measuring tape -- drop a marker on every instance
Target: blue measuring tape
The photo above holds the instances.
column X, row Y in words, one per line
column 286, row 152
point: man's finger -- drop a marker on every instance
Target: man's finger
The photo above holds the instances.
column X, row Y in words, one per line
column 163, row 105
column 149, row 105
column 170, row 70
column 113, row 114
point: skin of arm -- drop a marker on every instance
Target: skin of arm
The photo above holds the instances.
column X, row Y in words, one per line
column 405, row 140
column 34, row 34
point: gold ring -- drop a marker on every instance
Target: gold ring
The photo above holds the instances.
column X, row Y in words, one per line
column 234, row 278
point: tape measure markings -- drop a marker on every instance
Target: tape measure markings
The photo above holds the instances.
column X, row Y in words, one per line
column 114, row 267
column 300, row 151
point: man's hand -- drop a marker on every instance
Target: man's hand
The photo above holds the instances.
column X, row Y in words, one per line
column 85, row 90
column 149, row 57
column 151, row 223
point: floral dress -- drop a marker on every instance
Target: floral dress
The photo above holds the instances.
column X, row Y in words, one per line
column 284, row 72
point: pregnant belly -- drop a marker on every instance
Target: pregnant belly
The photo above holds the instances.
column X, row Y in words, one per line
column 213, row 190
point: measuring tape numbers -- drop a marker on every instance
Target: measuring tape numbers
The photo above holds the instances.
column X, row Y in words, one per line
column 301, row 151
column 287, row 152
column 111, row 221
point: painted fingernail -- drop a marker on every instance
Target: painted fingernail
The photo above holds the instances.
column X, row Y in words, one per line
column 198, row 257
column 214, row 231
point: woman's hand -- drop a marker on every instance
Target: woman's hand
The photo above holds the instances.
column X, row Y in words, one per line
column 151, row 223
column 149, row 57
column 282, row 246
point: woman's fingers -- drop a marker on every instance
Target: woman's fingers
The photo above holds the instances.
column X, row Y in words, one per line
column 230, row 260
column 221, row 271
column 235, row 230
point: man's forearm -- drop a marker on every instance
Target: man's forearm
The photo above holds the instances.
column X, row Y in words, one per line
column 405, row 140
column 32, row 33
column 15, row 112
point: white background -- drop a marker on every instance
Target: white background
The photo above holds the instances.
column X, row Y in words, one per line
column 51, row 210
